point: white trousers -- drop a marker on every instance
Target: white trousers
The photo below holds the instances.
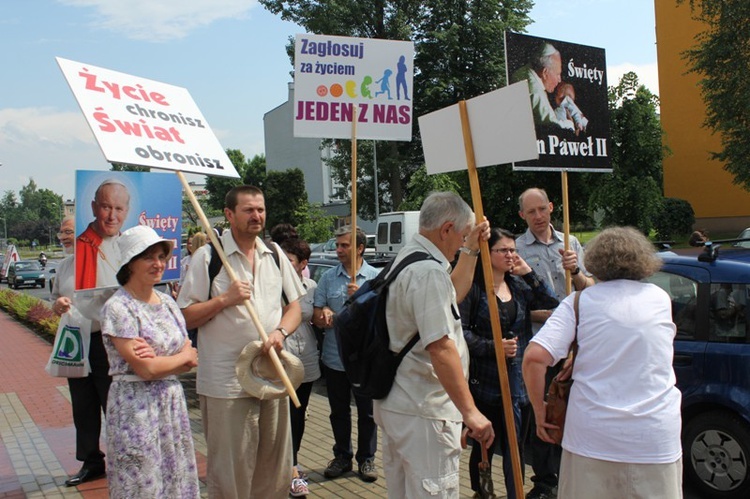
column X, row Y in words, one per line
column 420, row 456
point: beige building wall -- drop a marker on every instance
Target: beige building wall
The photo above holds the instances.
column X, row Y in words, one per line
column 689, row 172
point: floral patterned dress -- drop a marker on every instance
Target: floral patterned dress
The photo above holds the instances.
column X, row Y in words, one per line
column 149, row 442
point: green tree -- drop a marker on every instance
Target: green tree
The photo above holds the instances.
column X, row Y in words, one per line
column 218, row 187
column 190, row 219
column 284, row 193
column 459, row 55
column 721, row 56
column 255, row 174
column 313, row 224
column 422, row 184
column 38, row 215
column 675, row 219
column 123, row 167
column 8, row 211
column 632, row 194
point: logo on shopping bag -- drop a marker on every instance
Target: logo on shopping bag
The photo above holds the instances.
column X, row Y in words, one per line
column 70, row 345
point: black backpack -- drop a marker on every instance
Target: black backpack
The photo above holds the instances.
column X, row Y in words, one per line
column 362, row 334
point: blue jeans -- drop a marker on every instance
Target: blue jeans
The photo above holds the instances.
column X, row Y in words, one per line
column 497, row 417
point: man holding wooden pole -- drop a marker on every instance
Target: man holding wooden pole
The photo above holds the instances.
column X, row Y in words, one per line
column 543, row 249
column 243, row 433
column 334, row 288
column 422, row 416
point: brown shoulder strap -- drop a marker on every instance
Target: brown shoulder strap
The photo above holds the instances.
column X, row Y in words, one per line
column 574, row 345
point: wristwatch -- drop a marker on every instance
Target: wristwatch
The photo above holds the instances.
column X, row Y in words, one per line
column 469, row 251
column 576, row 271
column 284, row 332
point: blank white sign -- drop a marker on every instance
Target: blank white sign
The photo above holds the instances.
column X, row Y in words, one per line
column 502, row 131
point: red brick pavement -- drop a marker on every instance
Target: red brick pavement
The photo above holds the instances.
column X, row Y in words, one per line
column 22, row 361
column 24, row 382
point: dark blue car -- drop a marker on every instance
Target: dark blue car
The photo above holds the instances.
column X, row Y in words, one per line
column 710, row 292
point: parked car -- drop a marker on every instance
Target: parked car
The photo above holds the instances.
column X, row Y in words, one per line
column 25, row 273
column 395, row 229
column 709, row 295
column 318, row 266
column 328, row 248
column 51, row 280
column 745, row 234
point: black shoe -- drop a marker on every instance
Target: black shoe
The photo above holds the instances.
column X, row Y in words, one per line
column 85, row 475
column 367, row 471
column 337, row 467
column 542, row 493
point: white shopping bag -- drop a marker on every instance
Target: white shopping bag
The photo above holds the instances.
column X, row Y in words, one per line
column 70, row 351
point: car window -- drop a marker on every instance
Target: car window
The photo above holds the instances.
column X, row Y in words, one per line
column 317, row 271
column 745, row 234
column 684, row 295
column 396, row 233
column 382, row 233
column 728, row 320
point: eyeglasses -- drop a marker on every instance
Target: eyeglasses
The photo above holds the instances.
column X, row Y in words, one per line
column 66, row 232
column 504, row 251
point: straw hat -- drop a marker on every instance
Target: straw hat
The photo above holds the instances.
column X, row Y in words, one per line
column 138, row 239
column 258, row 376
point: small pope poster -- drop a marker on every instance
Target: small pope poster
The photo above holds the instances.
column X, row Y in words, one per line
column 335, row 75
column 109, row 204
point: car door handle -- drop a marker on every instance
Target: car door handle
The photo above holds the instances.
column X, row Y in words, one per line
column 682, row 360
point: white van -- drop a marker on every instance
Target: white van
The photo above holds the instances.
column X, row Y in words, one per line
column 395, row 229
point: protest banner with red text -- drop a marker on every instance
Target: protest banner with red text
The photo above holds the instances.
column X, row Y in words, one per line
column 142, row 122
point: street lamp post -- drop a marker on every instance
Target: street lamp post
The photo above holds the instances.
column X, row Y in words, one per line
column 57, row 212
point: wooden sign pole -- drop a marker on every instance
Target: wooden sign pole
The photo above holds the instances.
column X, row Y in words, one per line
column 566, row 229
column 497, row 333
column 233, row 276
column 353, row 269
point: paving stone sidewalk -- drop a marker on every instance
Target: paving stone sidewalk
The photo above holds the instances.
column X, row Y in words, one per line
column 37, row 437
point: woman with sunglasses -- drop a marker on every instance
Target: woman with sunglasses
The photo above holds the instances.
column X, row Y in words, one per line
column 518, row 290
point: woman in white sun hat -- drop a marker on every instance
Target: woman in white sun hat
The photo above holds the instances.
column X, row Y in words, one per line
column 149, row 442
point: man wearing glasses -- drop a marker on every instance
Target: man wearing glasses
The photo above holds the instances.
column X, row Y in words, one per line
column 88, row 394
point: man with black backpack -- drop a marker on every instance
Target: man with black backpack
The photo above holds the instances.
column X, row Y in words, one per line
column 334, row 288
column 422, row 415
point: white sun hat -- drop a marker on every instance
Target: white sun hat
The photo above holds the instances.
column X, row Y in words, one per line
column 138, row 239
column 258, row 376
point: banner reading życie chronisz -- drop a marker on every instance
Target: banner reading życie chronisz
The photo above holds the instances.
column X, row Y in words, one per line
column 568, row 91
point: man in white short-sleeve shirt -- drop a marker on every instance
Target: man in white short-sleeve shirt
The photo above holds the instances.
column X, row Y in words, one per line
column 243, row 433
column 422, row 415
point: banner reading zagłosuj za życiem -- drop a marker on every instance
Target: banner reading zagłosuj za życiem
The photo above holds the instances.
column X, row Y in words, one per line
column 333, row 74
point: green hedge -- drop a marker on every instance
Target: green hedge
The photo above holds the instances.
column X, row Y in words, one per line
column 674, row 220
column 30, row 310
